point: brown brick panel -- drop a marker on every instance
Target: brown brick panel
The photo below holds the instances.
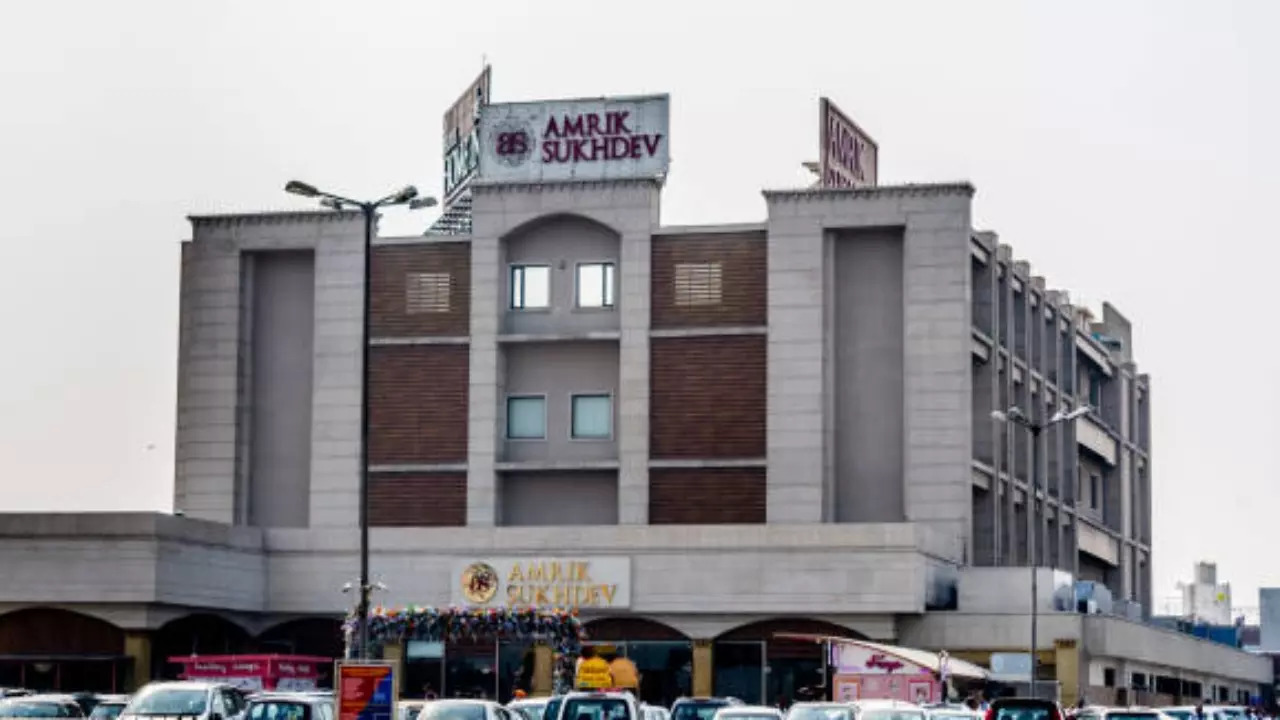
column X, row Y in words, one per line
column 744, row 287
column 418, row 403
column 392, row 266
column 707, row 397
column 403, row 500
column 706, row 496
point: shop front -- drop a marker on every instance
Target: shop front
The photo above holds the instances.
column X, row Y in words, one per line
column 49, row 649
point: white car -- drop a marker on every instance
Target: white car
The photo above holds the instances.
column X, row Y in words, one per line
column 820, row 711
column 886, row 710
column 190, row 698
column 462, row 710
column 1188, row 712
column 654, row 712
column 748, row 712
column 952, row 712
column 599, row 706
column 528, row 708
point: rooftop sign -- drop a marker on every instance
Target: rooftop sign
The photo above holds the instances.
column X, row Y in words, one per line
column 850, row 158
column 565, row 140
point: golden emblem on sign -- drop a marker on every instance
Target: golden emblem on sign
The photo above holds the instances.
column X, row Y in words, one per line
column 479, row 583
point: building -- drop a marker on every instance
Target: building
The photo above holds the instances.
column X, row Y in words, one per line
column 1205, row 599
column 699, row 436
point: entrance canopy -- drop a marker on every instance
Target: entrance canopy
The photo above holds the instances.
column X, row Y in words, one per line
column 919, row 660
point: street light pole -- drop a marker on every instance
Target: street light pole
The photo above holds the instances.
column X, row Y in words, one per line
column 406, row 196
column 1016, row 416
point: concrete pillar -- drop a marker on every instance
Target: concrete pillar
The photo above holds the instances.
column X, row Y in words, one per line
column 137, row 646
column 702, row 668
column 393, row 652
column 543, row 671
column 1067, row 664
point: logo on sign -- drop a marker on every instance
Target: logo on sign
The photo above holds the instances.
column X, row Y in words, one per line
column 513, row 144
column 883, row 662
column 479, row 583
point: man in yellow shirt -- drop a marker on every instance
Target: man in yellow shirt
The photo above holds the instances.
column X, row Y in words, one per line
column 624, row 672
column 592, row 672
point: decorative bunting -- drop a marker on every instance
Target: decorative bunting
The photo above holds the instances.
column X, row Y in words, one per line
column 560, row 629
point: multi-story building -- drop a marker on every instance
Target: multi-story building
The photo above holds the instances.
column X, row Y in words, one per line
column 731, row 431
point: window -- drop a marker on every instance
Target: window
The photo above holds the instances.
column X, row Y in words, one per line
column 530, row 286
column 592, row 417
column 697, row 284
column 427, row 292
column 595, row 285
column 527, row 417
column 1095, row 389
column 1095, row 491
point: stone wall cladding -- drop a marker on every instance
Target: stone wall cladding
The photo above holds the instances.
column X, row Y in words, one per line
column 418, row 404
column 742, row 259
column 418, row 500
column 392, row 264
column 708, row 397
column 706, row 496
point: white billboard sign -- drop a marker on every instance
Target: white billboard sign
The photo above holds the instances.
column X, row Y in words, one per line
column 462, row 137
column 584, row 140
column 588, row 583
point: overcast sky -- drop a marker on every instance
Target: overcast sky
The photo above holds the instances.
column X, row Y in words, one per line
column 1127, row 150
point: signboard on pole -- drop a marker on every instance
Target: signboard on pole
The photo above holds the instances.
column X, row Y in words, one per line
column 849, row 158
column 366, row 690
column 462, row 136
column 584, row 140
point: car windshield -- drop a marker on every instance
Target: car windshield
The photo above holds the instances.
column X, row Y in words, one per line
column 277, row 710
column 597, row 709
column 891, row 714
column 106, row 711
column 747, row 716
column 951, row 715
column 444, row 710
column 529, row 711
column 1028, row 711
column 24, row 708
column 170, row 701
column 819, row 712
column 552, row 710
column 695, row 710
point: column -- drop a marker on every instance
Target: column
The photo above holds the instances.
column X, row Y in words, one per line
column 393, row 652
column 543, row 671
column 702, row 668
column 1067, row 664
column 137, row 646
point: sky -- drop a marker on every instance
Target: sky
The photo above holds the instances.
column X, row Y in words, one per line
column 1127, row 150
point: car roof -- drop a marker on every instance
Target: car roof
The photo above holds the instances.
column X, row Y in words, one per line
column 529, row 701
column 287, row 695
column 747, row 709
column 184, row 685
column 45, row 697
column 878, row 703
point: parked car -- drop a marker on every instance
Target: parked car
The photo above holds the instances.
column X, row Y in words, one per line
column 886, row 710
column 748, row 712
column 1187, row 712
column 1019, row 708
column 951, row 712
column 289, row 706
column 108, row 707
column 187, row 699
column 528, row 708
column 463, row 710
column 600, row 706
column 1119, row 713
column 552, row 710
column 40, row 706
column 820, row 711
column 409, row 709
column 699, row 708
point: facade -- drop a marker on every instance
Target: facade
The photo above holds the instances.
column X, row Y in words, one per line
column 697, row 436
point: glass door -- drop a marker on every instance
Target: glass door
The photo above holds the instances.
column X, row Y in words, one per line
column 739, row 670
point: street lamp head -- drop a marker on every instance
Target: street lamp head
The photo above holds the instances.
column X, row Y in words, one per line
column 999, row 416
column 1063, row 416
column 422, row 202
column 406, row 194
column 333, row 204
column 297, row 187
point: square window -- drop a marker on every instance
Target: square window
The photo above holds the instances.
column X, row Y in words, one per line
column 592, row 417
column 427, row 292
column 527, row 417
column 697, row 284
column 595, row 285
column 530, row 286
